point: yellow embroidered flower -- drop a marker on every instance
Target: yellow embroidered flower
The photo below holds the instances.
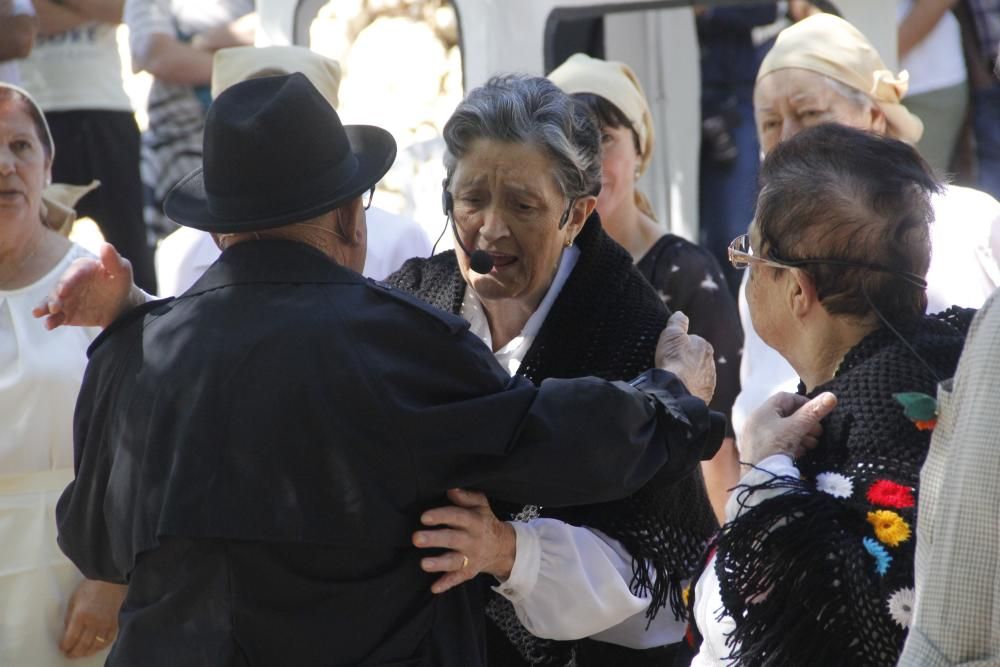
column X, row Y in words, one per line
column 890, row 528
column 686, row 595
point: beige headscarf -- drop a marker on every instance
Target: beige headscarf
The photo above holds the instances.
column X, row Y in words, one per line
column 829, row 45
column 58, row 199
column 618, row 84
column 243, row 62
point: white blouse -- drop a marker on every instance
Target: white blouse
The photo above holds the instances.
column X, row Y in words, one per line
column 40, row 374
column 569, row 582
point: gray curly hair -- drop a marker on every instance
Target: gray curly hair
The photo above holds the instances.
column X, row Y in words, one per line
column 518, row 108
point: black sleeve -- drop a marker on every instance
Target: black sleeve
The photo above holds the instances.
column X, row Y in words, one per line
column 689, row 279
column 83, row 533
column 567, row 442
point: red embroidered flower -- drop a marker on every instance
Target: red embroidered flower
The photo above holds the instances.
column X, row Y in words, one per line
column 926, row 424
column 890, row 494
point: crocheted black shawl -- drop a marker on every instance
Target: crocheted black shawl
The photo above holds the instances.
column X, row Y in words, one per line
column 605, row 323
column 824, row 574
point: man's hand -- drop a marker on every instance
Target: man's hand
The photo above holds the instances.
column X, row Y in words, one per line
column 691, row 358
column 91, row 292
column 91, row 618
column 784, row 424
column 478, row 540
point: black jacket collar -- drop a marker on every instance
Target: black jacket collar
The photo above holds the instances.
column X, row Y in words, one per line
column 272, row 261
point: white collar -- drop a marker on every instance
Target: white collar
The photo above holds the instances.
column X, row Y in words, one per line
column 511, row 354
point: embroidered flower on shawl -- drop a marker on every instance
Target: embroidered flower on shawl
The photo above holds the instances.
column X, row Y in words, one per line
column 837, row 485
column 921, row 409
column 686, row 595
column 878, row 552
column 890, row 528
column 901, row 606
column 890, row 494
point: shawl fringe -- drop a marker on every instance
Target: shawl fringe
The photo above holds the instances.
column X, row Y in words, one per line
column 779, row 614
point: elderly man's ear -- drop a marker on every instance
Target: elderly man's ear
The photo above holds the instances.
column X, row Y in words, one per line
column 349, row 221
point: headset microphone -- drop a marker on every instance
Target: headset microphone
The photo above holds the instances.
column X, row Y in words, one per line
column 479, row 260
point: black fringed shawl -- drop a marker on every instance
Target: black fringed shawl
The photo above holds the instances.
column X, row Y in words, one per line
column 824, row 574
column 605, row 322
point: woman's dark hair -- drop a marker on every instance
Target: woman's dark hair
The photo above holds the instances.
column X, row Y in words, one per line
column 8, row 94
column 834, row 192
column 827, row 7
column 607, row 114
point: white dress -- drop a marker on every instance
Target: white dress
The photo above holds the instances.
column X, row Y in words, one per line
column 40, row 374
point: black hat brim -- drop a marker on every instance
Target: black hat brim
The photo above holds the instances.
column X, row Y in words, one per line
column 375, row 149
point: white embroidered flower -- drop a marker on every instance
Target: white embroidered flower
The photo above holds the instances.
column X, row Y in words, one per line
column 837, row 485
column 664, row 297
column 674, row 268
column 709, row 283
column 722, row 360
column 901, row 606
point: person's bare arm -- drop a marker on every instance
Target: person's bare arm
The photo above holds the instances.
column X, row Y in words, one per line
column 105, row 11
column 240, row 32
column 17, row 33
column 55, row 18
column 721, row 473
column 923, row 16
column 169, row 59
column 58, row 17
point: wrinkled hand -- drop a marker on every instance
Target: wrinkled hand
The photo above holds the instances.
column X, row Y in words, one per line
column 784, row 424
column 472, row 531
column 689, row 357
column 92, row 613
column 91, row 292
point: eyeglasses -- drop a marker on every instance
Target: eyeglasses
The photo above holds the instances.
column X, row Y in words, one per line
column 741, row 256
column 366, row 199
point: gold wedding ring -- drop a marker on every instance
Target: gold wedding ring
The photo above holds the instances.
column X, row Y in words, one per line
column 99, row 639
column 465, row 562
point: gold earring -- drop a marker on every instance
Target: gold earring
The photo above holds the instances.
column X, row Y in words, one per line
column 569, row 243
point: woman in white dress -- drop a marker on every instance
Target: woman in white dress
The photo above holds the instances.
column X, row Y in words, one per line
column 49, row 614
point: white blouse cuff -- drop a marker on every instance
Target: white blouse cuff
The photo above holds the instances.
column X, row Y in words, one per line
column 527, row 563
column 776, row 465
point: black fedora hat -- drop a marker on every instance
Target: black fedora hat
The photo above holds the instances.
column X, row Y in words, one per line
column 275, row 153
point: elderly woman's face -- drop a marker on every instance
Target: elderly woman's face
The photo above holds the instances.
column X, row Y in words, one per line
column 508, row 203
column 787, row 101
column 24, row 167
column 768, row 317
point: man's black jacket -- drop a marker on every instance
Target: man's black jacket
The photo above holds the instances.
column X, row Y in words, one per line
column 253, row 457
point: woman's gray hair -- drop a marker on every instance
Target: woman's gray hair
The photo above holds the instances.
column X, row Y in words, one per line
column 517, row 108
column 858, row 98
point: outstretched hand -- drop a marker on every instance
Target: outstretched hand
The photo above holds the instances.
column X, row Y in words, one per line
column 91, row 292
column 784, row 424
column 478, row 541
column 688, row 356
